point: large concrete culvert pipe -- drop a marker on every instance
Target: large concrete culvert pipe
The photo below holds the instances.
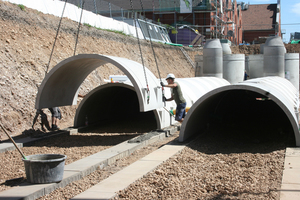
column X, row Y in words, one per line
column 118, row 103
column 257, row 107
column 114, row 107
column 61, row 84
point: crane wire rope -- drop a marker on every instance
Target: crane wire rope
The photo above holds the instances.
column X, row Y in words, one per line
column 154, row 55
column 56, row 37
column 137, row 35
column 82, row 5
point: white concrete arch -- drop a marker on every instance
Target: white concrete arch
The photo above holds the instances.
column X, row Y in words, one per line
column 111, row 101
column 277, row 90
column 61, row 84
column 115, row 98
column 192, row 89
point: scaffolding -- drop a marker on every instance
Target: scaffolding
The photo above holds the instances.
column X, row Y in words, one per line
column 221, row 14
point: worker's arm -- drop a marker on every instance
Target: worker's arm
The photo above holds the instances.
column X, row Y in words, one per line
column 172, row 85
column 169, row 99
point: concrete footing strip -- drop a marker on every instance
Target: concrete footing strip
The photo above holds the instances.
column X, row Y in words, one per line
column 109, row 187
column 78, row 169
column 290, row 186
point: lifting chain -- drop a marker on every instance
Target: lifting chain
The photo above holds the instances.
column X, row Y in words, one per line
column 137, row 35
column 163, row 93
column 56, row 36
column 82, row 5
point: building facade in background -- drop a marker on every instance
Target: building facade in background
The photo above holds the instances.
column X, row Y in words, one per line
column 228, row 20
column 261, row 21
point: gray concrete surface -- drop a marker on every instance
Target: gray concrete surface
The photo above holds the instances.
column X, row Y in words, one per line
column 109, row 187
column 290, row 185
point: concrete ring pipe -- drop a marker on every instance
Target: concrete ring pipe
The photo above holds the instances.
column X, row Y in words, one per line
column 263, row 106
column 61, row 84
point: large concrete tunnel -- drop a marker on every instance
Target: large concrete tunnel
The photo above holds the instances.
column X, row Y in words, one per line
column 115, row 104
column 118, row 102
column 109, row 102
column 60, row 86
column 268, row 103
column 256, row 106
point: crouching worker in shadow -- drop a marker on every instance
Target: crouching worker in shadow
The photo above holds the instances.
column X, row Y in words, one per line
column 44, row 120
column 56, row 115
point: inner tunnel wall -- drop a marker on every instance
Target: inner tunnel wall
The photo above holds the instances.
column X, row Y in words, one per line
column 112, row 102
column 249, row 109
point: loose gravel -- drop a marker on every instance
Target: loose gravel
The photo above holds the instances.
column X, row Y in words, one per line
column 75, row 147
column 213, row 166
column 216, row 166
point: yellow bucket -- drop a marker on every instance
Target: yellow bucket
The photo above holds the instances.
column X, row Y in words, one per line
column 174, row 111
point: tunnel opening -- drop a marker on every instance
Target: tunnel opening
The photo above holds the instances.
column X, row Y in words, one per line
column 115, row 109
column 242, row 117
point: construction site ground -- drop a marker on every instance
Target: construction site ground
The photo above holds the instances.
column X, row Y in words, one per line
column 212, row 167
column 106, row 166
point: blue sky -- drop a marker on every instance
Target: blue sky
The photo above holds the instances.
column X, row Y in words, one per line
column 290, row 15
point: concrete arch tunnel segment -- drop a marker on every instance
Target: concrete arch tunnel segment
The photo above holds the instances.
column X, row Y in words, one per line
column 104, row 103
column 282, row 101
column 104, row 99
column 61, row 84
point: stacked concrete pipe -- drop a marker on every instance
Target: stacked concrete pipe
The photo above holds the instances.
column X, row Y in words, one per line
column 274, row 51
column 213, row 59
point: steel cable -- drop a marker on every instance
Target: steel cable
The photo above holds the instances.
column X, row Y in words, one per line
column 56, row 37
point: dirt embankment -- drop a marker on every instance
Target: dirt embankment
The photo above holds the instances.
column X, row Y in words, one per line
column 26, row 41
column 255, row 49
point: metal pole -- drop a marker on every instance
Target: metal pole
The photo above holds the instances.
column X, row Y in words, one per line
column 95, row 5
column 13, row 142
column 110, row 10
column 122, row 14
column 216, row 1
column 194, row 23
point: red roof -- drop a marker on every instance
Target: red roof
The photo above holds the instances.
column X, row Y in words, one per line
column 259, row 17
